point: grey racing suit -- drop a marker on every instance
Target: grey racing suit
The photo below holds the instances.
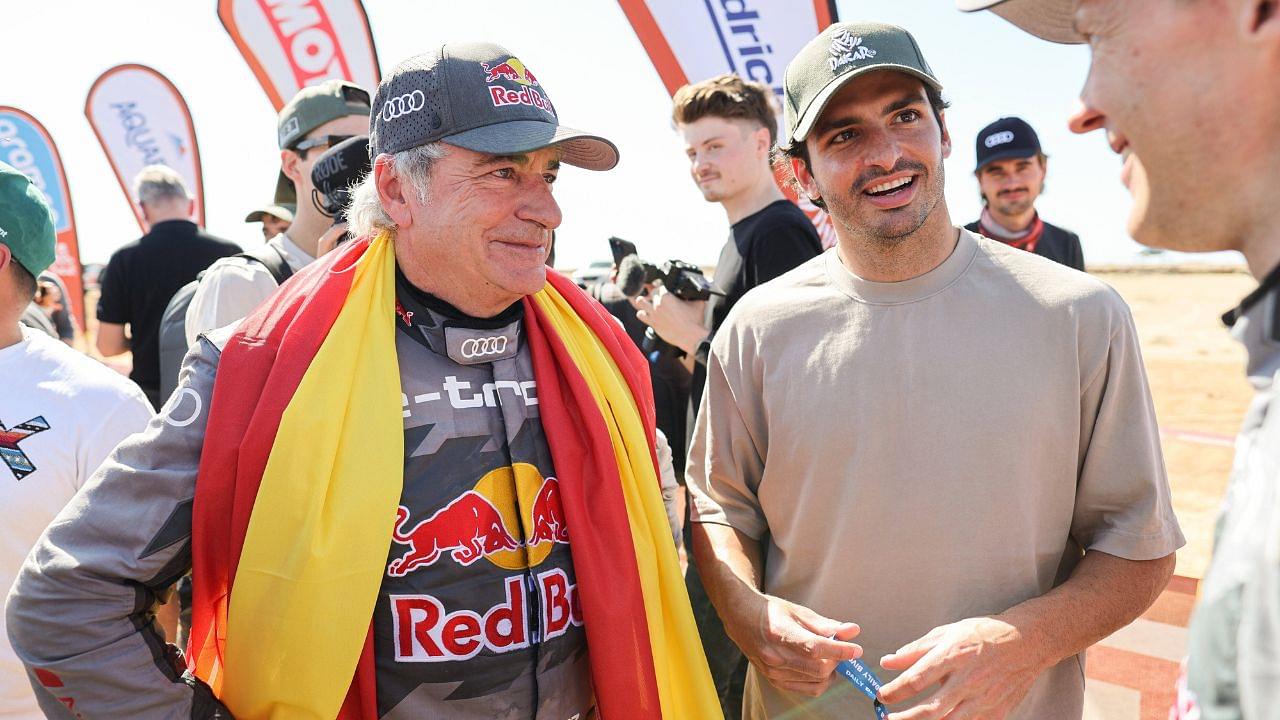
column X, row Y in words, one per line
column 477, row 614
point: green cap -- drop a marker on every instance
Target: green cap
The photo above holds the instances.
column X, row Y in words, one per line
column 312, row 107
column 839, row 54
column 26, row 222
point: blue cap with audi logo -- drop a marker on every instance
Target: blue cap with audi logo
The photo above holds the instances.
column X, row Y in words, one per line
column 480, row 97
column 1008, row 137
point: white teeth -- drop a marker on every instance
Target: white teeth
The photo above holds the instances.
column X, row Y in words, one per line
column 886, row 187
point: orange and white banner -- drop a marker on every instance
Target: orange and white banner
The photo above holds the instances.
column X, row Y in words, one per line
column 290, row 44
column 692, row 40
column 27, row 146
column 141, row 119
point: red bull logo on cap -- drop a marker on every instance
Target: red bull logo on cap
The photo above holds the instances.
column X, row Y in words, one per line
column 477, row 523
column 513, row 70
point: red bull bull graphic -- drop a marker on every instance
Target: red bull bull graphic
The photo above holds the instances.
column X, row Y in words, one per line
column 426, row 631
column 477, row 524
column 468, row 528
column 27, row 146
column 141, row 119
column 290, row 44
column 512, row 70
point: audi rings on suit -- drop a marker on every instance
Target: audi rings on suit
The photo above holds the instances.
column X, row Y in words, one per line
column 483, row 347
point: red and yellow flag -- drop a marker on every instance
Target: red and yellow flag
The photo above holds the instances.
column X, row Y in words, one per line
column 302, row 471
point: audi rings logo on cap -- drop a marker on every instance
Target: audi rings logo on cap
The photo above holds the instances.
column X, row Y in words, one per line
column 402, row 105
column 1000, row 138
column 473, row 348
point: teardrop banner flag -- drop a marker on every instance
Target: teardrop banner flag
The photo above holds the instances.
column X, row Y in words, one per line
column 26, row 145
column 290, row 44
column 141, row 119
column 691, row 40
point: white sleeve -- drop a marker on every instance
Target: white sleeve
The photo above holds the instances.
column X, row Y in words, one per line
column 128, row 415
column 230, row 290
column 670, row 488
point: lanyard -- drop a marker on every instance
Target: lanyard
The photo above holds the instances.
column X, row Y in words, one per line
column 865, row 681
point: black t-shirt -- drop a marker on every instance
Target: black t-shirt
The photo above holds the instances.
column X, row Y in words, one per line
column 142, row 276
column 761, row 247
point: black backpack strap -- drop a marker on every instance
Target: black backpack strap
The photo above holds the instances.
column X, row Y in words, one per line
column 272, row 259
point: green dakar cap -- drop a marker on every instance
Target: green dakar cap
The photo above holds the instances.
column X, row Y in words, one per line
column 839, row 54
column 1052, row 20
column 480, row 97
column 312, row 107
column 26, row 222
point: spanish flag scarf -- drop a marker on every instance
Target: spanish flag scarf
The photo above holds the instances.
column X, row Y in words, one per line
column 302, row 470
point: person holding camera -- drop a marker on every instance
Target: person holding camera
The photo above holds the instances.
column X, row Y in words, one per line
column 729, row 128
column 316, row 119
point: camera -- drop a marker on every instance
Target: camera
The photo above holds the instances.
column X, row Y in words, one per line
column 682, row 279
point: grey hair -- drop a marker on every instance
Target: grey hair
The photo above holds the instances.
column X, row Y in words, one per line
column 159, row 183
column 365, row 214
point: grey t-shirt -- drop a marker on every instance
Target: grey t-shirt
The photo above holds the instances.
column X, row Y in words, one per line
column 911, row 454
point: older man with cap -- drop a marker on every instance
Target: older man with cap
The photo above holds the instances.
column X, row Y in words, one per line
column 1185, row 93
column 419, row 482
column 61, row 413
column 1011, row 170
column 317, row 118
column 982, row 521
column 275, row 219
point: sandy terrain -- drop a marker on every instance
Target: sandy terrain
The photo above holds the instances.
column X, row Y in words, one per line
column 1197, row 379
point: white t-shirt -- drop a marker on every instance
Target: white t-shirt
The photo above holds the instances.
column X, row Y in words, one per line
column 61, row 414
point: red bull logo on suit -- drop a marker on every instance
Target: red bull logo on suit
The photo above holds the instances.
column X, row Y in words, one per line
column 426, row 631
column 477, row 524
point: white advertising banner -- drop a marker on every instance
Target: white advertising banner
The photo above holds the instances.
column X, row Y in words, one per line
column 141, row 119
column 290, row 44
column 692, row 40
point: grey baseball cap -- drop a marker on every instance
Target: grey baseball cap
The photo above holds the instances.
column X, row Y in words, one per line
column 839, row 54
column 480, row 97
column 1052, row 20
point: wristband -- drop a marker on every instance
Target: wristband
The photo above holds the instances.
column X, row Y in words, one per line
column 865, row 681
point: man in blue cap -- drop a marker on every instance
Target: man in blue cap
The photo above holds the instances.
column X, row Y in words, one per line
column 1010, row 171
column 60, row 412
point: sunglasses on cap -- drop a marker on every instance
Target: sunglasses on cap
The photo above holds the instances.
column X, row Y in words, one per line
column 325, row 141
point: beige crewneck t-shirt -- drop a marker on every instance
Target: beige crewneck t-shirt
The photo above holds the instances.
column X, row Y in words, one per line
column 911, row 454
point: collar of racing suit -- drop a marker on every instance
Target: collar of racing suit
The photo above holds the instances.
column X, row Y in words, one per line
column 444, row 328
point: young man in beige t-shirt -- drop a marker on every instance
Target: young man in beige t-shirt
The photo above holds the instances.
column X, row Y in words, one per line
column 945, row 440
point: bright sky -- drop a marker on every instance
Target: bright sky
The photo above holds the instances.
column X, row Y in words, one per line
column 599, row 77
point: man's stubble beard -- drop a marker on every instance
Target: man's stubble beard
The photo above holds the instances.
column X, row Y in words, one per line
column 1016, row 207
column 932, row 193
